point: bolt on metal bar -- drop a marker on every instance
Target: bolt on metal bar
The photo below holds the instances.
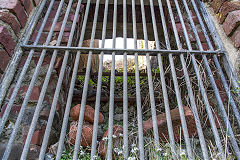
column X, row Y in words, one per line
column 227, row 123
column 99, row 85
column 125, row 86
column 138, row 91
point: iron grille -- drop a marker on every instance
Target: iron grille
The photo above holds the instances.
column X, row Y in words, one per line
column 176, row 46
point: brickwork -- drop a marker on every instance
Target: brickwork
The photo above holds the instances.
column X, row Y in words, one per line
column 13, row 18
column 228, row 13
column 14, row 15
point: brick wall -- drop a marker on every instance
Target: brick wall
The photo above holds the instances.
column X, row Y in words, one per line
column 228, row 14
column 13, row 18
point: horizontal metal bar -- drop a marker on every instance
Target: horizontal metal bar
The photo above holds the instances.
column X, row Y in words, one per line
column 119, row 51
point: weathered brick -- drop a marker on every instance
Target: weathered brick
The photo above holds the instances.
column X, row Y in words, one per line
column 176, row 122
column 42, row 39
column 10, row 19
column 6, row 40
column 16, row 7
column 23, row 90
column 4, row 59
column 236, row 37
column 226, row 8
column 14, row 111
column 231, row 22
column 37, row 137
column 27, row 5
column 205, row 46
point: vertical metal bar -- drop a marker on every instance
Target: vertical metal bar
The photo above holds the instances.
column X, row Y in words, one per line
column 138, row 91
column 221, row 106
column 19, row 119
column 192, row 99
column 46, row 81
column 218, row 67
column 99, row 85
column 164, row 89
column 150, row 81
column 6, row 81
column 59, row 83
column 231, row 71
column 23, row 72
column 86, row 80
column 125, row 86
column 183, row 121
column 112, row 83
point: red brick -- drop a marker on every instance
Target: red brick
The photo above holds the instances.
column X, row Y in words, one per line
column 236, row 37
column 87, row 132
column 42, row 39
column 37, row 137
column 27, row 5
column 10, row 19
column 226, row 8
column 205, row 46
column 176, row 123
column 231, row 22
column 88, row 114
column 15, row 7
column 14, row 111
column 102, row 148
column 6, row 40
column 23, row 90
column 194, row 17
column 4, row 59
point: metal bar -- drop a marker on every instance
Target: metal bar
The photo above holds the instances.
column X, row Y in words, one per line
column 221, row 73
column 46, row 81
column 10, row 72
column 59, row 83
column 112, row 83
column 121, row 51
column 86, row 80
column 179, row 101
column 138, row 91
column 19, row 119
column 150, row 81
column 21, row 77
column 125, row 86
column 230, row 70
column 99, row 86
column 232, row 138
